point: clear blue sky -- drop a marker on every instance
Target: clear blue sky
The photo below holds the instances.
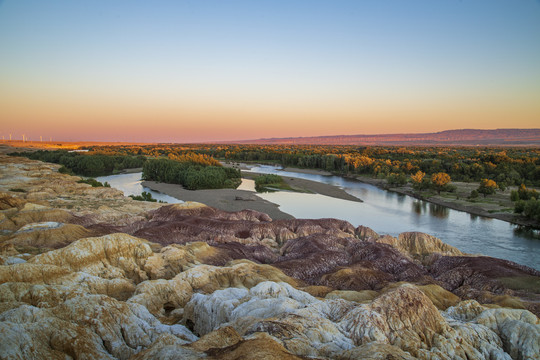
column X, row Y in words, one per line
column 217, row 70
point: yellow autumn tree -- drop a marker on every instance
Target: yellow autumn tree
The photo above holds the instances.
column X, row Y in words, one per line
column 487, row 187
column 418, row 179
column 439, row 181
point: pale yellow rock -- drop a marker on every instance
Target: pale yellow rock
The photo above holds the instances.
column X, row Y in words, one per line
column 419, row 245
column 366, row 233
column 169, row 347
column 46, row 235
column 109, row 256
column 33, row 273
column 260, row 346
column 440, row 297
column 239, row 273
column 33, row 207
column 403, row 317
column 317, row 290
column 375, row 351
column 356, row 296
column 188, row 205
column 9, row 200
column 160, row 296
column 174, row 259
column 220, row 338
column 23, row 218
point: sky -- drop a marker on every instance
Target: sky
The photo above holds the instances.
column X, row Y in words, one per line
column 202, row 71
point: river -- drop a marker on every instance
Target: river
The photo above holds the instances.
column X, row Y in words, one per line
column 389, row 213
column 130, row 184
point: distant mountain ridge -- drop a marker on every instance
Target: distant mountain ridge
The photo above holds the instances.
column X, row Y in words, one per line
column 468, row 137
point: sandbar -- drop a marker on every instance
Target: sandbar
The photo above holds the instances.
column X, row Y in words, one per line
column 313, row 187
column 224, row 199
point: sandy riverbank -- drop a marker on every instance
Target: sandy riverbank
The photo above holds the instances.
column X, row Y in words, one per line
column 224, row 199
column 310, row 186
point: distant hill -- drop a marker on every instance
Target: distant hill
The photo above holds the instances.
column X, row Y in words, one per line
column 467, row 137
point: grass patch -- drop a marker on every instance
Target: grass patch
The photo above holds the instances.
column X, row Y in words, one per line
column 510, row 210
column 93, row 182
column 145, row 196
column 271, row 182
column 18, row 190
column 528, row 283
column 448, row 196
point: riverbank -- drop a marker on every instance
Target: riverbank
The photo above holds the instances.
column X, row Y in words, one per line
column 130, row 171
column 496, row 206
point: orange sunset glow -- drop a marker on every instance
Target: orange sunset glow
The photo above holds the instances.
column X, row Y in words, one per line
column 303, row 69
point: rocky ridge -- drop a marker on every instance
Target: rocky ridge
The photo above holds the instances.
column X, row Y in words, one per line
column 88, row 273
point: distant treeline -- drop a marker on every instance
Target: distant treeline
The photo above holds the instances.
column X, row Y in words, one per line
column 191, row 175
column 86, row 164
column 506, row 166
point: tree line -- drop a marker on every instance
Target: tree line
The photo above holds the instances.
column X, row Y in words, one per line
column 505, row 166
column 191, row 175
column 86, row 164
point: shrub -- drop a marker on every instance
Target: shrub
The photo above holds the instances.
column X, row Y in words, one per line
column 93, row 182
column 519, row 206
column 145, row 196
column 514, row 195
column 529, row 208
column 396, row 179
column 487, row 187
column 527, row 194
column 65, row 170
column 263, row 182
column 268, row 179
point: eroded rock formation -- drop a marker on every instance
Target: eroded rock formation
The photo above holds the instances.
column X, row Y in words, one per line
column 87, row 273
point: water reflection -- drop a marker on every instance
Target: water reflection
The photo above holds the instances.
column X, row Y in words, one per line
column 131, row 184
column 527, row 231
column 439, row 211
column 419, row 207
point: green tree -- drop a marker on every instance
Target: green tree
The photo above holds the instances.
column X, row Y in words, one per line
column 527, row 194
column 529, row 208
column 487, row 187
column 396, row 179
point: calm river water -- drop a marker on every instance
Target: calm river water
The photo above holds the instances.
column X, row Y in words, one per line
column 388, row 213
column 130, row 184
